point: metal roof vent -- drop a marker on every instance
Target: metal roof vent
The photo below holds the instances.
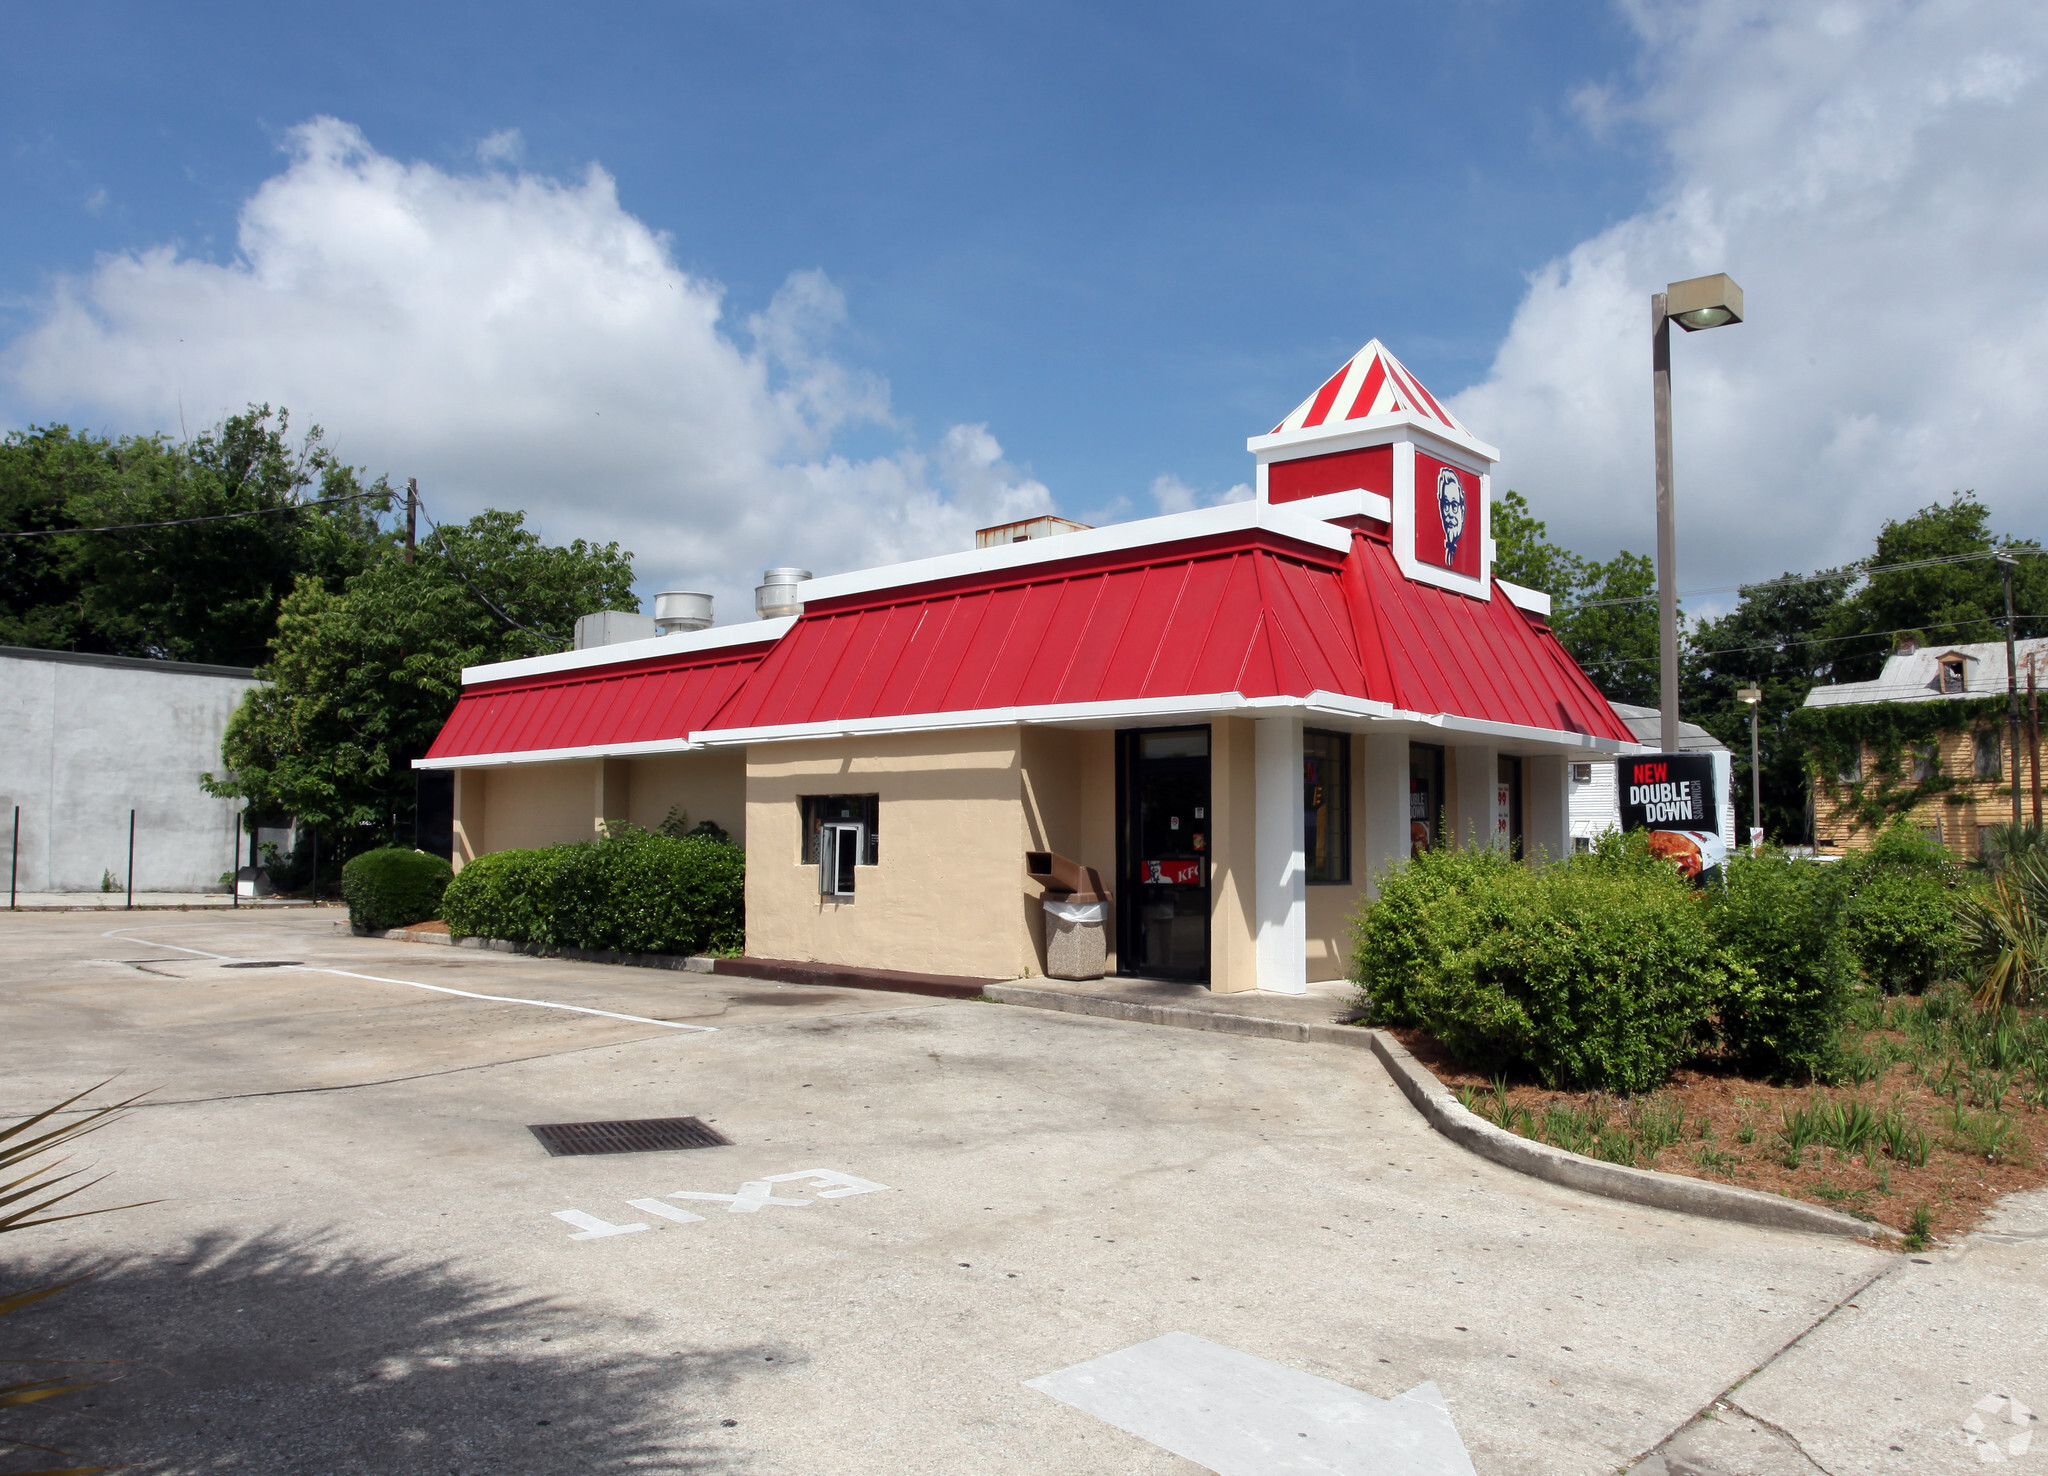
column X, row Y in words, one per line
column 777, row 594
column 678, row 610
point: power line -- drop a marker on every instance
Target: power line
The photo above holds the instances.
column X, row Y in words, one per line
column 420, row 503
column 1847, row 571
column 1867, row 635
column 252, row 512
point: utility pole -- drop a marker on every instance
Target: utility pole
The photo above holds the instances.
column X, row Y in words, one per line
column 412, row 514
column 1667, row 523
column 2006, row 564
column 1753, row 696
column 2034, row 739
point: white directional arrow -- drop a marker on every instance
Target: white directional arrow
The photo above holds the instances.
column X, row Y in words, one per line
column 1244, row 1416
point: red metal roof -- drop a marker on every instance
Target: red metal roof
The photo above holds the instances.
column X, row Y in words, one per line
column 1489, row 659
column 638, row 702
column 1249, row 612
column 1262, row 617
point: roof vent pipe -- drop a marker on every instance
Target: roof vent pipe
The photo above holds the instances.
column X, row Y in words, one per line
column 777, row 594
column 679, row 610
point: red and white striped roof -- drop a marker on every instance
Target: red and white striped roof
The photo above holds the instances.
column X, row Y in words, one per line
column 1373, row 382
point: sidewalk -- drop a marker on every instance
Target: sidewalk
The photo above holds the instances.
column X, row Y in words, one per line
column 157, row 901
column 1319, row 1015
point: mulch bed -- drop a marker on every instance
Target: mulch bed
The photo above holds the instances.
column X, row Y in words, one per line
column 1956, row 1187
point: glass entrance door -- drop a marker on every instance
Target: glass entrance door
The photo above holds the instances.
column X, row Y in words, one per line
column 1163, row 853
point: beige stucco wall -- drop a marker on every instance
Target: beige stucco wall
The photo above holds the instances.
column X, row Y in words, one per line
column 515, row 806
column 532, row 804
column 948, row 894
column 709, row 785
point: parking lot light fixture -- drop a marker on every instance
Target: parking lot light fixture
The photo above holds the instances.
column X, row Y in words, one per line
column 1753, row 696
column 1697, row 303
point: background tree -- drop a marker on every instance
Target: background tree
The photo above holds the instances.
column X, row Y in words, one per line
column 207, row 591
column 1775, row 639
column 1949, row 604
column 1616, row 643
column 360, row 679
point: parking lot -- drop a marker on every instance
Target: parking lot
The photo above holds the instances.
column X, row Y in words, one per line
column 359, row 1259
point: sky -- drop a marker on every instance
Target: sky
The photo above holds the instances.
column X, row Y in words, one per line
column 742, row 285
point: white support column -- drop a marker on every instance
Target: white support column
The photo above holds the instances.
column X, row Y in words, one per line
column 1281, row 890
column 1383, row 807
column 1546, row 808
column 1472, row 813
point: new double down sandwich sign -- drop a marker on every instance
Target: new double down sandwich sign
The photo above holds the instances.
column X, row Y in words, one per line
column 1672, row 795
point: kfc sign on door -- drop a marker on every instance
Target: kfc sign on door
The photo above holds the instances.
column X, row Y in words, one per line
column 1448, row 516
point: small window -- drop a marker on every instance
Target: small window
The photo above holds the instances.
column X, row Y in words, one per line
column 1326, row 806
column 1582, row 773
column 839, row 847
column 1989, row 754
column 1852, row 771
column 863, row 810
column 1582, row 844
column 1926, row 762
column 1951, row 675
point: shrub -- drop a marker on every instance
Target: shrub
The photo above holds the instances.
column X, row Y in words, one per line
column 1594, row 971
column 393, row 888
column 1901, row 911
column 630, row 892
column 1790, row 973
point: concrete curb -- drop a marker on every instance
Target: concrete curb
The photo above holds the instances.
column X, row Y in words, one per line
column 1302, row 1031
column 1443, row 1111
column 691, row 963
column 1450, row 1117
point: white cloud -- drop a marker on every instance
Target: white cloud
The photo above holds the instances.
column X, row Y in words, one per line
column 506, row 146
column 1872, row 175
column 1172, row 495
column 518, row 341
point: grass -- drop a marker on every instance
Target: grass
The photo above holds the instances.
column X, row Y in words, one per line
column 1932, row 1110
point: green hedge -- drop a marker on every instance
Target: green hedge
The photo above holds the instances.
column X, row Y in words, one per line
column 1595, row 971
column 631, row 892
column 1901, row 910
column 1777, row 923
column 1608, row 969
column 393, row 888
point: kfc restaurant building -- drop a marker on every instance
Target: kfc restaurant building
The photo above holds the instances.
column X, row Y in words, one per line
column 1240, row 716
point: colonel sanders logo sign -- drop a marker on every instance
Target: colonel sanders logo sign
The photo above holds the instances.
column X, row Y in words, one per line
column 1450, row 510
column 1446, row 507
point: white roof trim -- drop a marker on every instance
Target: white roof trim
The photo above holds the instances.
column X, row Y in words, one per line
column 1162, row 710
column 1157, row 709
column 1532, row 600
column 718, row 638
column 1356, row 503
column 1373, row 430
column 1202, row 522
column 558, row 755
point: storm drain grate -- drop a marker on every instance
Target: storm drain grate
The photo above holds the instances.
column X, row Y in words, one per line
column 646, row 1135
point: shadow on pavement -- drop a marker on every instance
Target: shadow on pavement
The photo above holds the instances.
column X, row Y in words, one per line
column 282, row 1355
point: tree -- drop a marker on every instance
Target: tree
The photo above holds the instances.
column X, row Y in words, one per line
column 1615, row 642
column 361, row 679
column 1947, row 604
column 198, row 591
column 1775, row 639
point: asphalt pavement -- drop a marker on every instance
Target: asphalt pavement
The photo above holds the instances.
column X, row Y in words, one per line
column 357, row 1258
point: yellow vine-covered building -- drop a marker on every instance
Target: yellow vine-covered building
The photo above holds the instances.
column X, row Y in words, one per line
column 1928, row 740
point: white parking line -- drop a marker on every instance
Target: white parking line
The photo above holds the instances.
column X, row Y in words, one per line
column 544, row 1004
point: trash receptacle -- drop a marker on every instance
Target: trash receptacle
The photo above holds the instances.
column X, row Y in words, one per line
column 1076, row 916
column 1076, row 945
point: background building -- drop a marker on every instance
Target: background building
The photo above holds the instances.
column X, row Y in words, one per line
column 84, row 739
column 1927, row 739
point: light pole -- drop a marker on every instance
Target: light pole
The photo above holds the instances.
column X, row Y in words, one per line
column 1753, row 696
column 1696, row 303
